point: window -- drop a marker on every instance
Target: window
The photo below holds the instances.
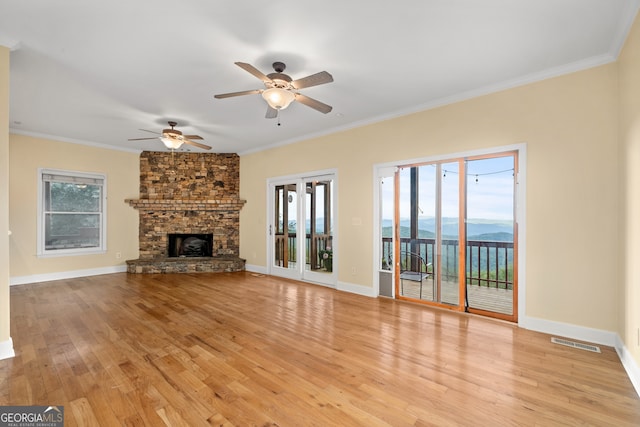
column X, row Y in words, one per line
column 71, row 213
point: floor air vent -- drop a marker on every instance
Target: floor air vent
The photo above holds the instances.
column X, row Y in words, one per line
column 574, row 344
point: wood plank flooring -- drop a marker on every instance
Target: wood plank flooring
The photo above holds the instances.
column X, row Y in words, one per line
column 239, row 349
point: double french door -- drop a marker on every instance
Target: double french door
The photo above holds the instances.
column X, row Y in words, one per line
column 301, row 229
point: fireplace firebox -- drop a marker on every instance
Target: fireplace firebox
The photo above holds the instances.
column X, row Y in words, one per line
column 190, row 245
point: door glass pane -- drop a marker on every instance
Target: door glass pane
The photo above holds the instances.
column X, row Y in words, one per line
column 318, row 226
column 385, row 256
column 418, row 219
column 406, row 287
column 449, row 236
column 386, row 222
column 286, row 211
column 279, row 205
column 424, row 246
column 429, row 220
column 490, row 231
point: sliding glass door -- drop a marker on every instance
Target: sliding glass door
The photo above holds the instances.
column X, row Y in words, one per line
column 454, row 239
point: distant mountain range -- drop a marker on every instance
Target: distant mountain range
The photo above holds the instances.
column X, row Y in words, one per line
column 477, row 229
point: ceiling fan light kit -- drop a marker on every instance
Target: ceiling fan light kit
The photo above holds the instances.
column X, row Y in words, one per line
column 278, row 98
column 170, row 143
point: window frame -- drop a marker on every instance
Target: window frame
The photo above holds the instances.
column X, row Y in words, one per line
column 42, row 252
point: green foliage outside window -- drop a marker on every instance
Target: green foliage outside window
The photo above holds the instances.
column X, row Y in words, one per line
column 67, row 197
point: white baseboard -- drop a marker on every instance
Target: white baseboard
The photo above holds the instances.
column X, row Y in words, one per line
column 356, row 289
column 596, row 336
column 6, row 349
column 47, row 277
column 256, row 269
column 342, row 286
column 581, row 333
column 630, row 365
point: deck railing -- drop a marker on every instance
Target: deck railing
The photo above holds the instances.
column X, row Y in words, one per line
column 287, row 246
column 489, row 263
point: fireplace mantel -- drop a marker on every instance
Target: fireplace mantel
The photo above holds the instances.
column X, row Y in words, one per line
column 186, row 204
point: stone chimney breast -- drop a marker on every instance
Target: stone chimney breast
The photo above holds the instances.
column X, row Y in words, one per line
column 188, row 194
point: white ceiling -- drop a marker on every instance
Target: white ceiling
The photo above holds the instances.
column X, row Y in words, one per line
column 95, row 72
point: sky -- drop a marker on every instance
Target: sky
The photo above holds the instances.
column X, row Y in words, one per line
column 490, row 186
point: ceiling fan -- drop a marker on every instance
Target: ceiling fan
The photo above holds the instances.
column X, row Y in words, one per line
column 173, row 139
column 281, row 90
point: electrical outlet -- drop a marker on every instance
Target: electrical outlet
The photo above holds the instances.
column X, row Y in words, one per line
column 354, row 271
column 118, row 255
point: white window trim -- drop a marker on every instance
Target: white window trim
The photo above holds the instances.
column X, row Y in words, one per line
column 41, row 252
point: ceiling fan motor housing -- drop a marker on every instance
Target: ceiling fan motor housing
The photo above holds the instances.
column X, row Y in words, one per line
column 279, row 80
column 171, row 132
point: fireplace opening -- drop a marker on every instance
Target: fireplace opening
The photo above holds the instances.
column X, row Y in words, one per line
column 190, row 245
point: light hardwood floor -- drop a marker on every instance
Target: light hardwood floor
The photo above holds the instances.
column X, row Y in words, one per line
column 244, row 349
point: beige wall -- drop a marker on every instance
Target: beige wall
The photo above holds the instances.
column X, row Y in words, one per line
column 629, row 66
column 569, row 124
column 27, row 154
column 4, row 194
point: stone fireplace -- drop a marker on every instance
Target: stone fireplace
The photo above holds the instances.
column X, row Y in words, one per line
column 189, row 209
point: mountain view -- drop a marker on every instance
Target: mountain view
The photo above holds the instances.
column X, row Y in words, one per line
column 483, row 266
column 477, row 229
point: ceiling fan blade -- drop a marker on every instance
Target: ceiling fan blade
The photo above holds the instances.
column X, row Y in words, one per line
column 253, row 70
column 313, row 80
column 272, row 113
column 313, row 103
column 141, row 139
column 229, row 95
column 193, row 136
column 196, row 144
column 150, row 131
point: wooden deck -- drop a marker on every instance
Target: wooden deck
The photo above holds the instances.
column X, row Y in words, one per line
column 480, row 297
column 242, row 349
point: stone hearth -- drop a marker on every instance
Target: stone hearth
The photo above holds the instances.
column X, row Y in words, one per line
column 188, row 194
column 186, row 265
